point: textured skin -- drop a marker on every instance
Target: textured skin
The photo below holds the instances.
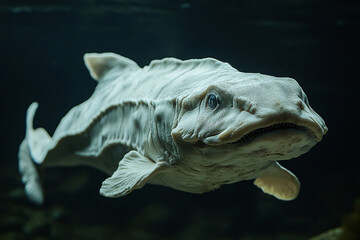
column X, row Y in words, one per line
column 154, row 124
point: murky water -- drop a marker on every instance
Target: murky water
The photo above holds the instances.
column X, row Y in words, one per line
column 42, row 45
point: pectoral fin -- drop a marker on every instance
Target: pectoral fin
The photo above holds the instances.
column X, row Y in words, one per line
column 279, row 182
column 133, row 172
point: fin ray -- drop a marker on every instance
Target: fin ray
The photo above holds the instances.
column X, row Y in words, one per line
column 134, row 172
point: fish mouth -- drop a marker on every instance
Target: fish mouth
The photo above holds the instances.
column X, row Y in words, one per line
column 243, row 135
column 248, row 137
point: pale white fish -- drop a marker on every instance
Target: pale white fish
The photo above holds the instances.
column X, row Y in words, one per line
column 191, row 125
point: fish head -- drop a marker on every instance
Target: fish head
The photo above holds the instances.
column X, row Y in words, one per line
column 231, row 126
column 246, row 115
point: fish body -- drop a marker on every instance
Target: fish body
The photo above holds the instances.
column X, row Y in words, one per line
column 192, row 125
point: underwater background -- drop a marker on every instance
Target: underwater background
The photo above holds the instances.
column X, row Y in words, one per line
column 316, row 42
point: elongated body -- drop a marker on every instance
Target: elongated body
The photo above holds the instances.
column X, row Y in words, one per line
column 192, row 125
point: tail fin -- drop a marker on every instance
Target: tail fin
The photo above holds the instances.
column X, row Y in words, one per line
column 32, row 149
column 29, row 174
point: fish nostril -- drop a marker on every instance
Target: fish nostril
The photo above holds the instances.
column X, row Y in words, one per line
column 241, row 103
column 300, row 105
column 244, row 104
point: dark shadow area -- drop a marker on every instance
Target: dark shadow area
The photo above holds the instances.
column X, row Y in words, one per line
column 42, row 44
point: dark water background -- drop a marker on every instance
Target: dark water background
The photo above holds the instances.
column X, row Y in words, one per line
column 315, row 42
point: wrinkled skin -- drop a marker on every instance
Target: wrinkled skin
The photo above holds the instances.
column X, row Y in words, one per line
column 208, row 138
column 191, row 125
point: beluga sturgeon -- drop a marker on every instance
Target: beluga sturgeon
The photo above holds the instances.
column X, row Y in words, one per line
column 191, row 125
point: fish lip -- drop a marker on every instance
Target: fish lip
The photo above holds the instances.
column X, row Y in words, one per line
column 240, row 135
column 257, row 132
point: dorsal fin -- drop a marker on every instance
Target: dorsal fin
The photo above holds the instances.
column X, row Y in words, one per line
column 171, row 64
column 99, row 64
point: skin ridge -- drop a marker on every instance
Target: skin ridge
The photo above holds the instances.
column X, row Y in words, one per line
column 155, row 124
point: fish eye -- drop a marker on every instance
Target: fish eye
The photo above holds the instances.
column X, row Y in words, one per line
column 212, row 101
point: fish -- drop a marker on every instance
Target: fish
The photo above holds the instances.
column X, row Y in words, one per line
column 192, row 125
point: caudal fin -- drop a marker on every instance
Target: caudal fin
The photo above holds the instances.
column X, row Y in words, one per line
column 29, row 174
column 32, row 150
